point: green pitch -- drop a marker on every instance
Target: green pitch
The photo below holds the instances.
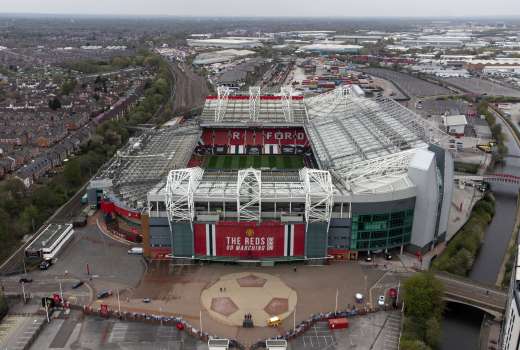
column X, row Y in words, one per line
column 257, row 162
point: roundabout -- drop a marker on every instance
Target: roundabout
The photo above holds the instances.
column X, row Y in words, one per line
column 261, row 295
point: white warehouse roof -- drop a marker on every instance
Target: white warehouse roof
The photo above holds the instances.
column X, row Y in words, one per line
column 455, row 120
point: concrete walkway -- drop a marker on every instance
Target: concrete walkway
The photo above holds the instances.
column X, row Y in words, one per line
column 260, row 294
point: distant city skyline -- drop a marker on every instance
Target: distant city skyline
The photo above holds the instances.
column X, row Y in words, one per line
column 267, row 8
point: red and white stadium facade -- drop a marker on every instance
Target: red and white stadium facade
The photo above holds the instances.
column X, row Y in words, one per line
column 249, row 239
column 270, row 140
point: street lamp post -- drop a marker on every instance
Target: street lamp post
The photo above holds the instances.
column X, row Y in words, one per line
column 200, row 320
column 23, row 291
column 336, row 307
column 61, row 293
column 294, row 318
column 118, row 301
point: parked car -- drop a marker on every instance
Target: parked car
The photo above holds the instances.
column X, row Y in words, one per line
column 136, row 251
column 147, row 300
column 104, row 293
column 388, row 256
column 44, row 265
column 26, row 280
column 381, row 300
column 77, row 285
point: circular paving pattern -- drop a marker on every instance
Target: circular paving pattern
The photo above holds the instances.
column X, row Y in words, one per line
column 259, row 294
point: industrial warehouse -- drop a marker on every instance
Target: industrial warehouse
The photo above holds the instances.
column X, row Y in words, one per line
column 273, row 178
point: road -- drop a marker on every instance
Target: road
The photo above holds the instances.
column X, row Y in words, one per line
column 14, row 264
column 45, row 284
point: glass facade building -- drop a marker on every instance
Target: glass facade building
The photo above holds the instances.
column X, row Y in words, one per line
column 381, row 231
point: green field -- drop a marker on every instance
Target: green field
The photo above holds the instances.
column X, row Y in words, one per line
column 257, row 162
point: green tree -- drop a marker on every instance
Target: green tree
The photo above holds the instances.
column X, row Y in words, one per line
column 423, row 296
column 72, row 173
column 46, row 199
column 29, row 218
column 54, row 103
column 433, row 332
column 409, row 344
column 68, row 86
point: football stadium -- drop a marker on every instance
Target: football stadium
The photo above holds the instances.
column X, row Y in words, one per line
column 274, row 178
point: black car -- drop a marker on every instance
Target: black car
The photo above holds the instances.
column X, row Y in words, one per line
column 26, row 280
column 77, row 285
column 44, row 265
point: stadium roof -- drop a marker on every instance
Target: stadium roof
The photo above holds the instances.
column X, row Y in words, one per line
column 270, row 110
column 362, row 146
column 347, row 129
column 147, row 159
column 365, row 143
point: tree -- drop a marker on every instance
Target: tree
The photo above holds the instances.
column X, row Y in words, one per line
column 29, row 218
column 54, row 103
column 423, row 296
column 72, row 173
column 45, row 198
column 423, row 310
column 68, row 86
column 433, row 332
column 409, row 344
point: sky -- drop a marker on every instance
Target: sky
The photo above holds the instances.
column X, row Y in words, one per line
column 260, row 8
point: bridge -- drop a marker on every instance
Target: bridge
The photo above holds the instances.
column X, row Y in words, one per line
column 492, row 178
column 462, row 290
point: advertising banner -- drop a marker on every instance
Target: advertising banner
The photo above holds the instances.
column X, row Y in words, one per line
column 250, row 239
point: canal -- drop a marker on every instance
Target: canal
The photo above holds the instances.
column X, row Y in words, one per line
column 461, row 325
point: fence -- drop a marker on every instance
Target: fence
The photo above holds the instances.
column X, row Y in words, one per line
column 182, row 324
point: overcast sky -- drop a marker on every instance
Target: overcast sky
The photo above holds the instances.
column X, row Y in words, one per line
column 336, row 8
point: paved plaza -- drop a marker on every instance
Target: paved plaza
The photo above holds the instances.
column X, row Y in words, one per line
column 261, row 295
column 177, row 291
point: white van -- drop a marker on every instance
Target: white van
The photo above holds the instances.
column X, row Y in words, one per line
column 136, row 250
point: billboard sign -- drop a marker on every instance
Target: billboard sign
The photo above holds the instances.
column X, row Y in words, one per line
column 250, row 239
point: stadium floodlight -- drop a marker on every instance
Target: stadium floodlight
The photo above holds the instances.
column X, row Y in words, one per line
column 249, row 194
column 287, row 92
column 222, row 102
column 180, row 186
column 319, row 194
column 254, row 103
